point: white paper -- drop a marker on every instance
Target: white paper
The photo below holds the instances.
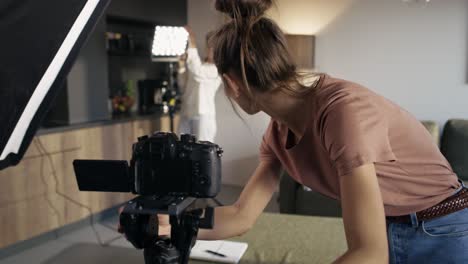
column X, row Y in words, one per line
column 232, row 250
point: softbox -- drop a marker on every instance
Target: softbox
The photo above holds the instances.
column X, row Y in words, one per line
column 39, row 41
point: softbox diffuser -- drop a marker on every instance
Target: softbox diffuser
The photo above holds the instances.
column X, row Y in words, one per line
column 39, row 41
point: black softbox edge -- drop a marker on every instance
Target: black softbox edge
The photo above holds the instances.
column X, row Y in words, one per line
column 13, row 159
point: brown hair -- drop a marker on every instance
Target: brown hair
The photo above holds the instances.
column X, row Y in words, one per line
column 254, row 47
column 209, row 38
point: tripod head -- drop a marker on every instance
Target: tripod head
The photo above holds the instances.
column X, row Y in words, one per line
column 140, row 225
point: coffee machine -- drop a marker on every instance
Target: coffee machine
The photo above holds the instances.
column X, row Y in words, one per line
column 150, row 96
column 159, row 96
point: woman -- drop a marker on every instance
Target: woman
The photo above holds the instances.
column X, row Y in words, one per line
column 198, row 113
column 401, row 201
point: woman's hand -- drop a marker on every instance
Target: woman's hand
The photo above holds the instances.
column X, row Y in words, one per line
column 164, row 226
column 191, row 39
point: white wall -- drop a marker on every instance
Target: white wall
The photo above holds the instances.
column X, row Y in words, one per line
column 240, row 141
column 414, row 56
column 307, row 16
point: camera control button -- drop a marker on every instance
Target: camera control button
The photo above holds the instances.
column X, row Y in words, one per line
column 220, row 152
column 142, row 138
column 204, row 180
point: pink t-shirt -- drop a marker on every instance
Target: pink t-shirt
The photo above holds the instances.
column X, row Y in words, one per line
column 351, row 126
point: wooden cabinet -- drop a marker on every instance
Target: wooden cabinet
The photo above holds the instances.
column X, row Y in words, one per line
column 41, row 194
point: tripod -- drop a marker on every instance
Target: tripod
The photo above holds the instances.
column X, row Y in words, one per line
column 172, row 94
column 141, row 227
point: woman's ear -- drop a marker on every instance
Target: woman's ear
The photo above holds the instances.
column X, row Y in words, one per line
column 232, row 88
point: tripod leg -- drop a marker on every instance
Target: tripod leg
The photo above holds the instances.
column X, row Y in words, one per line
column 171, row 119
column 184, row 233
column 161, row 252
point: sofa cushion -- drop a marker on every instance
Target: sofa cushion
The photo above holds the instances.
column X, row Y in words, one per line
column 433, row 129
column 309, row 202
column 454, row 146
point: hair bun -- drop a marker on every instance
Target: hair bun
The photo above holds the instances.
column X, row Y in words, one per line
column 244, row 8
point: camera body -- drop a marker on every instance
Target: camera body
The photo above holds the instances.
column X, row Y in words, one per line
column 164, row 165
column 161, row 165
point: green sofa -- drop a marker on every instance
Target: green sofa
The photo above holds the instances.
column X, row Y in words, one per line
column 454, row 146
column 295, row 198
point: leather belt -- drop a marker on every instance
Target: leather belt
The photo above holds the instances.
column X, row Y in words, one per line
column 454, row 203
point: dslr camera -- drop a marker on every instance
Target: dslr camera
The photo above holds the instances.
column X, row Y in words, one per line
column 161, row 164
column 168, row 174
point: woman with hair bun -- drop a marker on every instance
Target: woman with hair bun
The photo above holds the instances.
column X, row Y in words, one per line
column 401, row 201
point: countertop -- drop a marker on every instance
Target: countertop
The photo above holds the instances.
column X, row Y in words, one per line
column 113, row 120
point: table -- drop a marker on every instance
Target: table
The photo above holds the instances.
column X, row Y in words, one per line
column 281, row 238
column 274, row 239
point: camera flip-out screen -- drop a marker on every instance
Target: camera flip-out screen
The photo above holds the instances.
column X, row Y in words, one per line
column 103, row 176
column 39, row 42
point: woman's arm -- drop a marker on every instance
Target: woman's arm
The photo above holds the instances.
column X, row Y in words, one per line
column 363, row 217
column 193, row 61
column 236, row 219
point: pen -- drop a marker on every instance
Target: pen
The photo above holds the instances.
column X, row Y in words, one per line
column 215, row 253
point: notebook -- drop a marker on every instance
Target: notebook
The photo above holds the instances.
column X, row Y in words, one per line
column 222, row 251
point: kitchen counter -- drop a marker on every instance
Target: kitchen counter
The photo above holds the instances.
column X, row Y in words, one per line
column 114, row 120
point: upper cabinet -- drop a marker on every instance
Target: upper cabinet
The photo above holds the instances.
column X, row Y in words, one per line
column 162, row 12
